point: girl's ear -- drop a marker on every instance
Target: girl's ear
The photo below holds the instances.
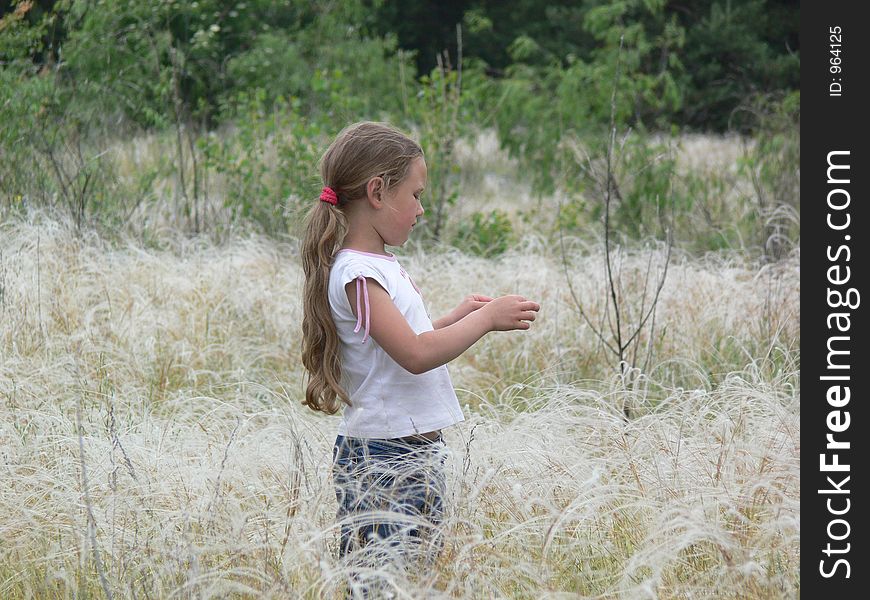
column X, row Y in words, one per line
column 374, row 191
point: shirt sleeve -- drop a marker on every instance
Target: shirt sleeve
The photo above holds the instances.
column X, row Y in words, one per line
column 359, row 271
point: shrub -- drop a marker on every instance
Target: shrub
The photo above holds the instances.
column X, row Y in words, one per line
column 486, row 234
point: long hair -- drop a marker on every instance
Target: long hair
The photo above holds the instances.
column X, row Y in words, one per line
column 361, row 151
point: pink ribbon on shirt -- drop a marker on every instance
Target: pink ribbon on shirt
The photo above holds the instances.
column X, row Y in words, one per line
column 365, row 290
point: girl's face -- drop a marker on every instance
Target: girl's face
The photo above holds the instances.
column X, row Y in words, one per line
column 402, row 205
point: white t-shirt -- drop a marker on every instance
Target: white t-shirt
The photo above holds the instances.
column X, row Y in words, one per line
column 387, row 401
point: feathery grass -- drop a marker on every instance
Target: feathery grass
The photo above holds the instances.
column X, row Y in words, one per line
column 206, row 478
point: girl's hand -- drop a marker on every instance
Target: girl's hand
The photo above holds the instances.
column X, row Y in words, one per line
column 511, row 312
column 470, row 304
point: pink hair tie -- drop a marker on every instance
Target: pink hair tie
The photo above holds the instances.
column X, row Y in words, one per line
column 329, row 196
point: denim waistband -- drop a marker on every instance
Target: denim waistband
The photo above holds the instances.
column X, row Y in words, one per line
column 411, row 440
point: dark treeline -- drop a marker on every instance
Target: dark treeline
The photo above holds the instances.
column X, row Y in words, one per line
column 720, row 52
column 714, row 54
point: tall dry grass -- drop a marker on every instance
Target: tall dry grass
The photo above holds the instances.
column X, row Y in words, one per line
column 154, row 445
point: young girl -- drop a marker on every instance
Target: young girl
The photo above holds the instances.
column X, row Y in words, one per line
column 369, row 345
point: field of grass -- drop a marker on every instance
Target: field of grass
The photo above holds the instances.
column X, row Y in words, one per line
column 154, row 445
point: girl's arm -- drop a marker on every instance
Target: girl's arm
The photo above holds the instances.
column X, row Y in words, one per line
column 468, row 305
column 430, row 349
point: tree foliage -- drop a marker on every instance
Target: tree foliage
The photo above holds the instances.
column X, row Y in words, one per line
column 246, row 93
column 707, row 56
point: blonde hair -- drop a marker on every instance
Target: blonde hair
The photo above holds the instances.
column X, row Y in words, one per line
column 361, row 151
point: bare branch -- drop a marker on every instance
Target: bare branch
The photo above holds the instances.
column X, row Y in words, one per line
column 607, row 198
column 595, row 330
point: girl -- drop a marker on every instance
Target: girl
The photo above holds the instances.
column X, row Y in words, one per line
column 370, row 346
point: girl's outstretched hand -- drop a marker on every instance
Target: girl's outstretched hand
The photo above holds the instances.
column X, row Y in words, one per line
column 511, row 312
column 470, row 304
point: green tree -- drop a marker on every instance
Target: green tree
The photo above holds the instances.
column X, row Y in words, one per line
column 735, row 50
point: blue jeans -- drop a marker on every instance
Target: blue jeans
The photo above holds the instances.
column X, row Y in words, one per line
column 390, row 497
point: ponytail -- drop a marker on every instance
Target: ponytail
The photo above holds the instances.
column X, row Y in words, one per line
column 324, row 234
